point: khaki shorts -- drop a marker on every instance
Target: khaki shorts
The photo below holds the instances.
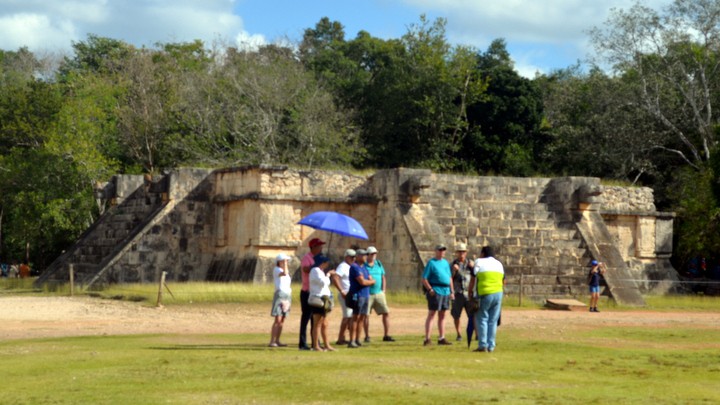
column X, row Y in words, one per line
column 378, row 303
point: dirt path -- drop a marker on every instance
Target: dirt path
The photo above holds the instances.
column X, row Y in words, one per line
column 39, row 317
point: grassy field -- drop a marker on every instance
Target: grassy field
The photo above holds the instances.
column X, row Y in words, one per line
column 624, row 365
column 586, row 365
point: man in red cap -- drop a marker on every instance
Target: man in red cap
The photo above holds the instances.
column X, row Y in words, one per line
column 307, row 263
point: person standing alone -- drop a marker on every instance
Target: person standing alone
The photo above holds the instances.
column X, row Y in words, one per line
column 281, row 298
column 597, row 269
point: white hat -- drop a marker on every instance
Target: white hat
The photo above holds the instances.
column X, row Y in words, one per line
column 350, row 252
column 281, row 257
column 461, row 247
column 371, row 250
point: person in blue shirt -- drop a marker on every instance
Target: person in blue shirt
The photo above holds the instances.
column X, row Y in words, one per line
column 377, row 301
column 439, row 290
column 596, row 271
column 358, row 295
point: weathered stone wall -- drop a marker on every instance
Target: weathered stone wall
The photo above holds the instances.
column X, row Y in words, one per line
column 643, row 235
column 230, row 224
column 177, row 241
column 627, row 199
column 258, row 212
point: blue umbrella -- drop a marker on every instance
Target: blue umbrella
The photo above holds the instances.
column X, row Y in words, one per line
column 336, row 223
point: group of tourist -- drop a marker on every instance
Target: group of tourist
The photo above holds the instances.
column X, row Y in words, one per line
column 13, row 270
column 360, row 283
column 474, row 287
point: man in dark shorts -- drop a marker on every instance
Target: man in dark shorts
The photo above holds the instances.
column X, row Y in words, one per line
column 358, row 295
column 439, row 289
column 461, row 273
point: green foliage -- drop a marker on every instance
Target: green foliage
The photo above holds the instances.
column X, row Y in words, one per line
column 96, row 55
column 698, row 222
column 507, row 121
column 410, row 94
column 45, row 202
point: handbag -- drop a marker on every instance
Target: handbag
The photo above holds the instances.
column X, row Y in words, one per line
column 316, row 301
column 328, row 303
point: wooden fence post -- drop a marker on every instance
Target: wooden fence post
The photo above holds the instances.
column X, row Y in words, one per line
column 160, row 288
column 521, row 291
column 72, row 280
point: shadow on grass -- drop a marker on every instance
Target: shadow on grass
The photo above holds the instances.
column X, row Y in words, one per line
column 242, row 347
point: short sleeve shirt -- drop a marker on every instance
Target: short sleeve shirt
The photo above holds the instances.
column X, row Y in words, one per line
column 377, row 271
column 437, row 273
column 461, row 279
column 343, row 271
column 282, row 283
column 489, row 274
column 355, row 287
column 307, row 261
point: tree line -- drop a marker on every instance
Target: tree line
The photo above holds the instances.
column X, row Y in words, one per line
column 640, row 113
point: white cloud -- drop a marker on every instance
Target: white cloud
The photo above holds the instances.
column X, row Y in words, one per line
column 245, row 41
column 55, row 24
column 526, row 23
column 34, row 31
column 526, row 20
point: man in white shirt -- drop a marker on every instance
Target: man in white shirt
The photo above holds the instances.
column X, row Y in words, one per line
column 342, row 282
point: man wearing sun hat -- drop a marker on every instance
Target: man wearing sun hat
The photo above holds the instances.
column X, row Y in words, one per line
column 307, row 263
column 438, row 283
column 461, row 273
column 377, row 299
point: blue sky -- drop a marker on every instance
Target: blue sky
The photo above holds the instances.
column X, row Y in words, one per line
column 540, row 35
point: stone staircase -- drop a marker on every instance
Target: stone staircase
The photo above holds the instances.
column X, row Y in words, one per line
column 510, row 215
column 108, row 235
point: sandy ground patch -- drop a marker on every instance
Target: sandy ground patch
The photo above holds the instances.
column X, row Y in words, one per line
column 41, row 317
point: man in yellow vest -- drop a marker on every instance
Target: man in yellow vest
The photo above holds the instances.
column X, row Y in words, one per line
column 487, row 282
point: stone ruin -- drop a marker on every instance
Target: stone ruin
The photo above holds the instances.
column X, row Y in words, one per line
column 229, row 224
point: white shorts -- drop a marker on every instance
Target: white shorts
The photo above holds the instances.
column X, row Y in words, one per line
column 346, row 312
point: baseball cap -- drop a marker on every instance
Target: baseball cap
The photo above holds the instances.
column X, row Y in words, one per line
column 594, row 263
column 350, row 252
column 361, row 252
column 441, row 247
column 315, row 242
column 320, row 259
column 282, row 256
column 371, row 250
column 461, row 247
